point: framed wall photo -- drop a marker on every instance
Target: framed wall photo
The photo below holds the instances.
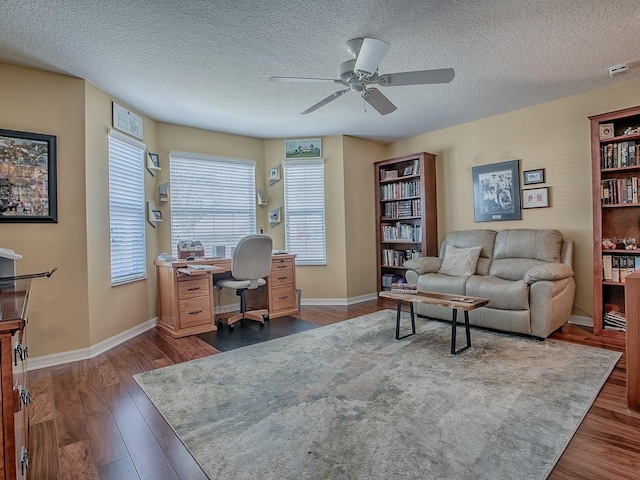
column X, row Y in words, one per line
column 126, row 121
column 530, row 177
column 28, row 189
column 496, row 192
column 310, row 148
column 535, row 197
column 274, row 174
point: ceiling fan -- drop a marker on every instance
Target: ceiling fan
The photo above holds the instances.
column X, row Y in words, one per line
column 361, row 73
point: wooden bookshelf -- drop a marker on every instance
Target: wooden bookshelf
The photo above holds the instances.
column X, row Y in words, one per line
column 615, row 161
column 406, row 213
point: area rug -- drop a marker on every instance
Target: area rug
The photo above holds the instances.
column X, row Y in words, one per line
column 348, row 401
column 251, row 332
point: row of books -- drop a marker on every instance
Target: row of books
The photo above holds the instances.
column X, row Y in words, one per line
column 621, row 154
column 401, row 231
column 396, row 258
column 616, row 191
column 615, row 268
column 403, row 208
column 392, row 191
column 614, row 320
column 397, row 287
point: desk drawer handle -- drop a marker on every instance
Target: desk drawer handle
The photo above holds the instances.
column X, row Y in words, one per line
column 283, row 278
column 282, row 298
column 194, row 288
column 281, row 266
column 195, row 312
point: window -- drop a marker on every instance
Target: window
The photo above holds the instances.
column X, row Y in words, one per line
column 304, row 211
column 213, row 199
column 126, row 209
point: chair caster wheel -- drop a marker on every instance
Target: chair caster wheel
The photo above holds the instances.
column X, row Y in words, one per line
column 219, row 322
column 265, row 318
column 262, row 324
column 231, row 327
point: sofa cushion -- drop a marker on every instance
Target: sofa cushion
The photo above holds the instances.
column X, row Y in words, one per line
column 460, row 261
column 542, row 245
column 504, row 294
column 424, row 264
column 514, row 268
column 435, row 282
column 473, row 238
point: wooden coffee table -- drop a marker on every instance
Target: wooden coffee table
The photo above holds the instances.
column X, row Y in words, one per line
column 454, row 302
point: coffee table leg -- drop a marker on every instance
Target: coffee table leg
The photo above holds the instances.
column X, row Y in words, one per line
column 413, row 321
column 453, row 332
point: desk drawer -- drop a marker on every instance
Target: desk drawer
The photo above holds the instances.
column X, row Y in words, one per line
column 195, row 311
column 282, row 277
column 196, row 287
column 283, row 298
column 281, row 265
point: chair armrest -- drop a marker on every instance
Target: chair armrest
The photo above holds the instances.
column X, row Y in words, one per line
column 424, row 264
column 551, row 271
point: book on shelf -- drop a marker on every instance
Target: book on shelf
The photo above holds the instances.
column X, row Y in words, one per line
column 622, row 267
column 607, row 273
column 615, row 269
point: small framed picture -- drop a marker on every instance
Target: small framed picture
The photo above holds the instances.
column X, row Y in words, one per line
column 606, row 131
column 408, row 171
column 274, row 174
column 535, row 197
column 530, row 177
column 275, row 217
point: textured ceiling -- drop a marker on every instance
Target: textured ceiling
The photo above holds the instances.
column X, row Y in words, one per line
column 207, row 63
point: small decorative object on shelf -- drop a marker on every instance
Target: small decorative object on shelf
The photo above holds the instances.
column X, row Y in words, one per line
column 607, row 244
column 630, row 243
column 632, row 131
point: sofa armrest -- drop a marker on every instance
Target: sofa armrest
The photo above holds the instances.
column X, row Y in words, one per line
column 424, row 264
column 551, row 271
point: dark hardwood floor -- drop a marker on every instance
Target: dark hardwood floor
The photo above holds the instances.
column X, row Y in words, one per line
column 90, row 419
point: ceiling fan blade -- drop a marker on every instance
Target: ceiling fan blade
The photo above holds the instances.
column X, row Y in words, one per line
column 378, row 101
column 371, row 53
column 303, row 80
column 323, row 102
column 420, row 77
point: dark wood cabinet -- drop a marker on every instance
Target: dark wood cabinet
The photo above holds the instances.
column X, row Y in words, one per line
column 14, row 299
column 406, row 213
column 615, row 145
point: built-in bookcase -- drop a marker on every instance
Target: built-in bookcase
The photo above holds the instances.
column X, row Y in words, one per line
column 615, row 145
column 406, row 213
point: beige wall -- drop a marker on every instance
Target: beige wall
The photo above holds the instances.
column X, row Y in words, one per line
column 112, row 310
column 553, row 136
column 317, row 281
column 40, row 102
column 360, row 221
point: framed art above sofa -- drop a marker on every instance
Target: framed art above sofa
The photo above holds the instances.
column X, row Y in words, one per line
column 496, row 192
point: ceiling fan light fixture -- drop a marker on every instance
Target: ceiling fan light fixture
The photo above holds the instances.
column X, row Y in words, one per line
column 371, row 54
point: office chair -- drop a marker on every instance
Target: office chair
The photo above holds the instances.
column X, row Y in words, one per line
column 250, row 264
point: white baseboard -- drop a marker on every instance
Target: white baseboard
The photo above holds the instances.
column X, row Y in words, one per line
column 581, row 320
column 87, row 353
column 338, row 301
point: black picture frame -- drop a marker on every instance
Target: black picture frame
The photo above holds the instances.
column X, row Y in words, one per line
column 155, row 159
column 531, row 177
column 496, row 192
column 28, row 182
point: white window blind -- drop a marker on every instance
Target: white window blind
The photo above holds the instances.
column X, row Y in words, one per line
column 213, row 199
column 304, row 216
column 126, row 209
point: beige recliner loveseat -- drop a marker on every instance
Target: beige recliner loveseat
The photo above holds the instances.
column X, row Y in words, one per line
column 527, row 274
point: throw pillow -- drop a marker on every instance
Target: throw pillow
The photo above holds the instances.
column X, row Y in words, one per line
column 460, row 261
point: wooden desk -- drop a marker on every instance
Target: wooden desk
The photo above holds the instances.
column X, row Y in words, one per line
column 186, row 296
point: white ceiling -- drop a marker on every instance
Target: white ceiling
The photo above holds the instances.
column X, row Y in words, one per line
column 207, row 63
